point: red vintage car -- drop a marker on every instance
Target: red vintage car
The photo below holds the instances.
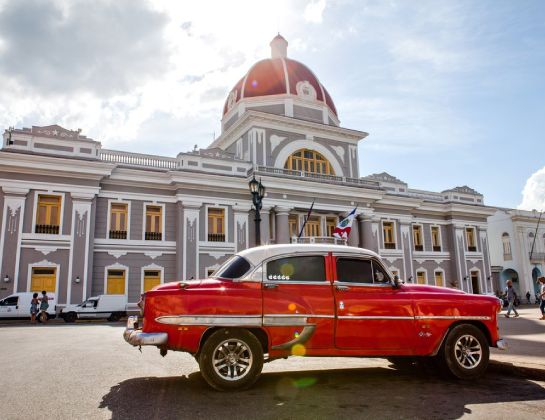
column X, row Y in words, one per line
column 275, row 301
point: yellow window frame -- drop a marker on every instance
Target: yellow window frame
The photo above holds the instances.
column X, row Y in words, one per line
column 48, row 206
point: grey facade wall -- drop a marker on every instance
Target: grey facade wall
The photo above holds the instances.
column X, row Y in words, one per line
column 135, row 262
column 29, row 256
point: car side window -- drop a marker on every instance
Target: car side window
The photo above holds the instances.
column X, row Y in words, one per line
column 379, row 275
column 354, row 270
column 10, row 301
column 297, row 268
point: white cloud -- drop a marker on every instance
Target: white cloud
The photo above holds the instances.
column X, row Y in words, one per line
column 314, row 11
column 533, row 194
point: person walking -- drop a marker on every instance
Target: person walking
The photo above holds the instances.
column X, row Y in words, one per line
column 34, row 307
column 44, row 305
column 528, row 297
column 511, row 296
column 541, row 280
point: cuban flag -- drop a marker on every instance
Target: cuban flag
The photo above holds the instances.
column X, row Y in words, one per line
column 345, row 226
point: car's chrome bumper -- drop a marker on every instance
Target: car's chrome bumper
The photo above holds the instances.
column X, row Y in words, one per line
column 136, row 337
column 501, row 344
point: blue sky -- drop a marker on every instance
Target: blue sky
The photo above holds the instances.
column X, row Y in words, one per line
column 450, row 92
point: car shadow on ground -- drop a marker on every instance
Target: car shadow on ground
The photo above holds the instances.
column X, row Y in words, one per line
column 366, row 392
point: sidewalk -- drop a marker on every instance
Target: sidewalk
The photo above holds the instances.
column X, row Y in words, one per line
column 525, row 338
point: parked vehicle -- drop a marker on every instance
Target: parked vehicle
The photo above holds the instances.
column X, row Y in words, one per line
column 110, row 307
column 276, row 301
column 17, row 306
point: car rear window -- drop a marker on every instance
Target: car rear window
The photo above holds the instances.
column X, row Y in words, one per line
column 234, row 268
column 298, row 268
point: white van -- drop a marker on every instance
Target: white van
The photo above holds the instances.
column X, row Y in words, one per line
column 17, row 305
column 111, row 307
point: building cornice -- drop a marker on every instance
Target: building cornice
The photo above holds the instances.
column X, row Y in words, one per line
column 273, row 121
column 54, row 166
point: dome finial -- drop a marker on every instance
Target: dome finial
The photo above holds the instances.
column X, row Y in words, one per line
column 279, row 47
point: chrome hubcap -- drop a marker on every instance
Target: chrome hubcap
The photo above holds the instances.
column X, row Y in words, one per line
column 232, row 359
column 468, row 352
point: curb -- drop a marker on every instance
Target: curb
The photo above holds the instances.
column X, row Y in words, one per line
column 518, row 370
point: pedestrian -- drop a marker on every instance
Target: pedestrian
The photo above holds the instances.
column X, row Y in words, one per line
column 511, row 297
column 44, row 305
column 34, row 308
column 528, row 297
column 542, row 296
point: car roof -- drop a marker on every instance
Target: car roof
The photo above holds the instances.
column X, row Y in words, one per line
column 258, row 254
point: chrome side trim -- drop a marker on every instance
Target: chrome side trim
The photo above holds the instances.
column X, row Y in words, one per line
column 299, row 316
column 216, row 320
column 274, row 321
column 290, row 282
column 376, row 317
column 352, row 284
column 302, row 338
column 464, row 317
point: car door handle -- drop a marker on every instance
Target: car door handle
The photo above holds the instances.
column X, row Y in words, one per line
column 342, row 288
column 270, row 285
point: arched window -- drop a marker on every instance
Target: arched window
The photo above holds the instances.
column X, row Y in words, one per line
column 506, row 246
column 309, row 161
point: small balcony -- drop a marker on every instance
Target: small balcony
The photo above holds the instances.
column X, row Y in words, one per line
column 153, row 236
column 118, row 234
column 537, row 257
column 436, row 248
column 216, row 237
column 471, row 249
column 389, row 245
column 47, row 229
column 419, row 247
column 317, row 240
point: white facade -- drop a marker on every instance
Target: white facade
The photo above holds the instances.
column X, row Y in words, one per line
column 517, row 249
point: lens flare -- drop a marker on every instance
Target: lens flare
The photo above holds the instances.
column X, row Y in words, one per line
column 298, row 350
column 304, row 382
column 296, row 334
column 292, row 306
column 254, row 83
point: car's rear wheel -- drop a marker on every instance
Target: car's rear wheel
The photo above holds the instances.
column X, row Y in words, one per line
column 70, row 317
column 465, row 352
column 114, row 317
column 231, row 359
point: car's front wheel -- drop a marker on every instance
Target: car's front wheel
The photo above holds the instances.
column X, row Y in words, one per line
column 465, row 352
column 231, row 359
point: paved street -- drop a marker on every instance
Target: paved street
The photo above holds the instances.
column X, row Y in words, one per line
column 86, row 370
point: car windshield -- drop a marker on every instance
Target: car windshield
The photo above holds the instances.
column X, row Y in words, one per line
column 234, row 268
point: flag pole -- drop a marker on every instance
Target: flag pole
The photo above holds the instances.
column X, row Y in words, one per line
column 306, row 219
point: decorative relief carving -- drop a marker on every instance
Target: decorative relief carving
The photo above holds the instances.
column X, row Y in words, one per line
column 153, row 254
column 191, row 228
column 117, row 254
column 232, row 99
column 46, row 249
column 339, row 150
column 14, row 211
column 275, row 141
column 81, row 222
column 306, row 90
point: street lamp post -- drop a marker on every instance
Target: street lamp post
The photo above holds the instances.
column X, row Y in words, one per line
column 258, row 192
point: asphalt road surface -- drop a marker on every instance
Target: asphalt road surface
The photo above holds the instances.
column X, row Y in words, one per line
column 87, row 371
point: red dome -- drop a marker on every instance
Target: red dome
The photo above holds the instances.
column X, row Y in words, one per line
column 279, row 76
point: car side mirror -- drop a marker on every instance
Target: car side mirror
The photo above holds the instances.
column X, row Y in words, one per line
column 397, row 281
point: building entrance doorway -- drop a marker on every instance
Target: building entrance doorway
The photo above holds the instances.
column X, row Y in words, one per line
column 116, row 282
column 43, row 278
column 475, row 283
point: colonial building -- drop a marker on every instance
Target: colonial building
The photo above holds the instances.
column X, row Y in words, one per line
column 80, row 220
column 517, row 249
